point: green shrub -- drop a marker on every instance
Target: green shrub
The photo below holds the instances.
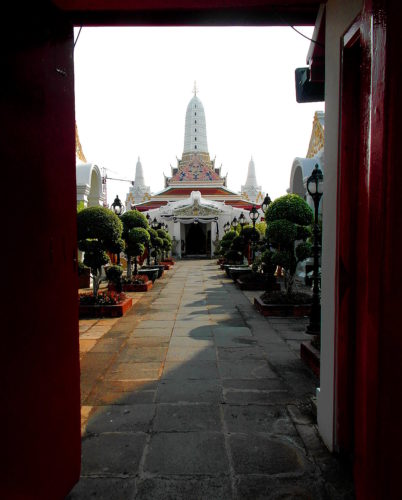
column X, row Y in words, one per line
column 99, row 231
column 82, row 268
column 137, row 239
column 288, row 220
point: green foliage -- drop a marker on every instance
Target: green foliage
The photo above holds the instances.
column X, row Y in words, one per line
column 261, row 227
column 82, row 268
column 131, row 219
column 238, row 244
column 101, row 224
column 288, row 220
column 226, row 240
column 95, row 256
column 137, row 238
column 267, row 262
column 281, row 232
column 153, row 234
column 113, row 274
column 232, row 256
column 80, row 206
column 290, row 207
column 303, row 251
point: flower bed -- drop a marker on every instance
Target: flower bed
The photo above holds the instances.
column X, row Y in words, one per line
column 137, row 283
column 107, row 304
column 166, row 264
column 281, row 304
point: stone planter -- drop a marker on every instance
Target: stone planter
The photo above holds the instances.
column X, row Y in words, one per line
column 167, row 265
column 295, row 310
column 160, row 268
column 98, row 311
column 238, row 266
column 311, row 356
column 152, row 273
column 235, row 272
column 84, row 279
column 144, row 287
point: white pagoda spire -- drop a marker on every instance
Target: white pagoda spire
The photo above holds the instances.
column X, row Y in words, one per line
column 251, row 190
column 195, row 130
column 139, row 174
column 138, row 192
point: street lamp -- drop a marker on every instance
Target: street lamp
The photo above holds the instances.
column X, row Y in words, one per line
column 148, row 245
column 315, row 189
column 226, row 227
column 253, row 216
column 154, row 224
column 266, row 203
column 242, row 221
column 234, row 223
column 118, row 209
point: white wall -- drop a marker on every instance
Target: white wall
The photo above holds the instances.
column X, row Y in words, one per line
column 339, row 16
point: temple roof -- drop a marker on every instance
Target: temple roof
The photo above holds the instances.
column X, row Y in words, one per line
column 195, row 171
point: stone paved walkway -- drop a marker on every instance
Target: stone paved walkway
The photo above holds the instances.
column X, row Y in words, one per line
column 194, row 395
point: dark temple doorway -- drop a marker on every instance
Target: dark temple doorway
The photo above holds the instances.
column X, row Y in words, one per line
column 196, row 240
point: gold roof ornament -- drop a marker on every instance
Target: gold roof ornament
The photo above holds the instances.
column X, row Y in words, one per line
column 78, row 148
column 317, row 135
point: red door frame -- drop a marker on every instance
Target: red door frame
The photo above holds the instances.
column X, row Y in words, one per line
column 367, row 347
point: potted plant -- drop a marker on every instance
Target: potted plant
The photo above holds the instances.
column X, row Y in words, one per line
column 288, row 219
column 84, row 275
column 99, row 230
column 133, row 219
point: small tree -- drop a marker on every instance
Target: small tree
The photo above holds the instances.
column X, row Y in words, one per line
column 154, row 243
column 288, row 218
column 166, row 241
column 132, row 219
column 99, row 231
column 226, row 241
column 137, row 239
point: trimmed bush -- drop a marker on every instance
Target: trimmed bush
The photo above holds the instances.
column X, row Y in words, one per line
column 99, row 231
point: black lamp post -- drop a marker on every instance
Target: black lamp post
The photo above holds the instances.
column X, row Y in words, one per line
column 234, row 223
column 266, row 203
column 148, row 245
column 118, row 209
column 226, row 227
column 155, row 225
column 315, row 190
column 253, row 216
column 242, row 221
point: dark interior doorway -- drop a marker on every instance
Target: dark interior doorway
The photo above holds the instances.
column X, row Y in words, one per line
column 196, row 243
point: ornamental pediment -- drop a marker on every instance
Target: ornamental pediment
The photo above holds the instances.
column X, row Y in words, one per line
column 196, row 210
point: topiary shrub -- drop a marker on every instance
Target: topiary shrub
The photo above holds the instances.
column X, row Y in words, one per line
column 137, row 239
column 99, row 231
column 113, row 274
column 166, row 241
column 288, row 219
column 132, row 219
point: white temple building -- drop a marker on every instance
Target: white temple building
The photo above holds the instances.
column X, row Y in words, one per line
column 88, row 178
column 196, row 202
column 251, row 190
column 138, row 192
column 303, row 167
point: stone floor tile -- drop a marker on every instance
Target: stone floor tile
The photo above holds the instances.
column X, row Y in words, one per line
column 195, row 369
column 190, row 354
column 121, row 418
column 187, row 417
column 260, row 454
column 200, row 488
column 237, row 354
column 153, row 324
column 256, row 418
column 134, row 371
column 193, row 391
column 112, row 454
column 103, row 489
column 245, row 370
column 136, row 354
column 187, row 453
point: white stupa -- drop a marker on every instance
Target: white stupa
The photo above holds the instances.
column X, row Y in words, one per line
column 138, row 192
column 195, row 129
column 251, row 190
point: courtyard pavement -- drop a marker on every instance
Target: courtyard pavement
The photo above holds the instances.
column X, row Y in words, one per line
column 194, row 395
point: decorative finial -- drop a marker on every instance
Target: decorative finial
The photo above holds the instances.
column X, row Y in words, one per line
column 195, row 89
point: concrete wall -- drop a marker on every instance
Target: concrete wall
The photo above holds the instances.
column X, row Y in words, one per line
column 339, row 15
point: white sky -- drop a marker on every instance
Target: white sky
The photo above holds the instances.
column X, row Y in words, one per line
column 132, row 87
